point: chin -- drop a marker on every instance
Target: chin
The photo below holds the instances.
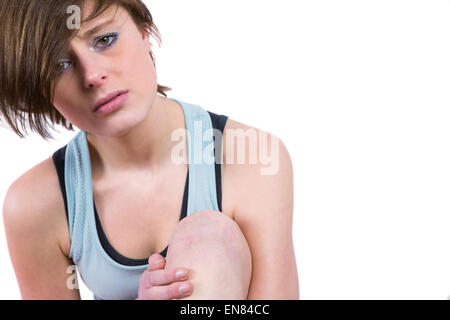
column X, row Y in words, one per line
column 123, row 124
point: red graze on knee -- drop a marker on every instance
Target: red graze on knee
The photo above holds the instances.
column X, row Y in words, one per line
column 215, row 251
column 201, row 221
column 208, row 225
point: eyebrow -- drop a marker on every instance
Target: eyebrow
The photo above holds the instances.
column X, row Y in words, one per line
column 95, row 29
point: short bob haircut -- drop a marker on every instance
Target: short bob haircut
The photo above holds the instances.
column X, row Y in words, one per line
column 33, row 37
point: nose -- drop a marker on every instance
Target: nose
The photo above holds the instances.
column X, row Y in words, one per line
column 94, row 80
column 94, row 74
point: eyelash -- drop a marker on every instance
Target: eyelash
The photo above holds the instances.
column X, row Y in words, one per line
column 113, row 35
column 110, row 35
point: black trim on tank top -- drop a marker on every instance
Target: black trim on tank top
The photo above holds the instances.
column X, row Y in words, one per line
column 218, row 122
column 115, row 255
column 59, row 159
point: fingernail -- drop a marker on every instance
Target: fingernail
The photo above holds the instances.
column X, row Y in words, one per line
column 180, row 274
column 184, row 288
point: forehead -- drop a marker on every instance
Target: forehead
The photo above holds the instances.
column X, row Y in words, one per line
column 112, row 14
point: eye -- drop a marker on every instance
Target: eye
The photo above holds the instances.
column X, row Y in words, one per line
column 105, row 40
column 62, row 65
column 101, row 42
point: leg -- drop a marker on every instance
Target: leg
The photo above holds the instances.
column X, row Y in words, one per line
column 213, row 248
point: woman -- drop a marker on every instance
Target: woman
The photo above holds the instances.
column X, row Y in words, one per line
column 120, row 180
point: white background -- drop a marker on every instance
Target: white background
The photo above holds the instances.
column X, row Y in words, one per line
column 359, row 93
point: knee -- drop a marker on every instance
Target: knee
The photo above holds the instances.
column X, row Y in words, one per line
column 215, row 228
column 212, row 246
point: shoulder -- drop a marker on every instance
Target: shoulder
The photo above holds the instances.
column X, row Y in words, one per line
column 257, row 166
column 34, row 204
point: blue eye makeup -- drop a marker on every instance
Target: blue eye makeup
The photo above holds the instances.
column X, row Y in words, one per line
column 100, row 43
column 106, row 40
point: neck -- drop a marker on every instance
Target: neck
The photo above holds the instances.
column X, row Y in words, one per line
column 146, row 146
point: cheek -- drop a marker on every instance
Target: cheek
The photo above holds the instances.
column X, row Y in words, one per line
column 60, row 100
column 63, row 92
column 65, row 100
column 141, row 70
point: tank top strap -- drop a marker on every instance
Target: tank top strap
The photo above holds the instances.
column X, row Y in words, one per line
column 78, row 181
column 202, row 177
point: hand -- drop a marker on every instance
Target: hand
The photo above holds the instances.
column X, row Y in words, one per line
column 159, row 284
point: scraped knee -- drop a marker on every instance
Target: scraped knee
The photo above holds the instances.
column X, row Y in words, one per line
column 210, row 226
column 214, row 247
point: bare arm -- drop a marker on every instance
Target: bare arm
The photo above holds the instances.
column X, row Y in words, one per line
column 34, row 225
column 264, row 212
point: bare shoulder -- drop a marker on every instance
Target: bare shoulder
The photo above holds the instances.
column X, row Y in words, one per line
column 251, row 151
column 255, row 163
column 259, row 145
column 34, row 203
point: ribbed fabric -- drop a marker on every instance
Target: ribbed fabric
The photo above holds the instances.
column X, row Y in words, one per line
column 106, row 278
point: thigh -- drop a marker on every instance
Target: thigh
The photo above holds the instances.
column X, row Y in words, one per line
column 212, row 246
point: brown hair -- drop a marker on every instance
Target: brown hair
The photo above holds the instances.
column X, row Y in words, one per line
column 33, row 36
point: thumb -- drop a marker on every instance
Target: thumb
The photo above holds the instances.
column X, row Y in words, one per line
column 156, row 262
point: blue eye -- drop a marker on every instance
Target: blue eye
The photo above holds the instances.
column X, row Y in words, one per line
column 106, row 40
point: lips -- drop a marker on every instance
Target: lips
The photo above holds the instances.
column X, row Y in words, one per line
column 107, row 98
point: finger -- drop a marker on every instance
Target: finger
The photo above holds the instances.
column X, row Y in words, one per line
column 165, row 277
column 172, row 291
column 156, row 262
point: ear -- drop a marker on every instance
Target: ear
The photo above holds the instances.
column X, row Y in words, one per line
column 146, row 38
